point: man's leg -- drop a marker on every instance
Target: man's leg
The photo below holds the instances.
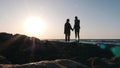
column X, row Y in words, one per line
column 78, row 35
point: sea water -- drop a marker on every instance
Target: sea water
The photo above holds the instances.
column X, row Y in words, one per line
column 94, row 41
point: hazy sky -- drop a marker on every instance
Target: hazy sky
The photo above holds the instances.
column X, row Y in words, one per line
column 99, row 18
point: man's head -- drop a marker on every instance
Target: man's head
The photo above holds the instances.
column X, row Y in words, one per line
column 76, row 17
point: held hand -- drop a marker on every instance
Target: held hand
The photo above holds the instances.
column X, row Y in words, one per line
column 72, row 29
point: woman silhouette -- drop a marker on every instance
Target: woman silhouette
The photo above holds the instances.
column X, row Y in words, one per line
column 67, row 28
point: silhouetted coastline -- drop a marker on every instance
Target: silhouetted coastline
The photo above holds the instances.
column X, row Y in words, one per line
column 21, row 49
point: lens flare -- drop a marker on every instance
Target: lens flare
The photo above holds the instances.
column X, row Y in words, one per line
column 116, row 51
column 102, row 46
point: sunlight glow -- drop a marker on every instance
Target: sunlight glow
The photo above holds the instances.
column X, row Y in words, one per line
column 34, row 26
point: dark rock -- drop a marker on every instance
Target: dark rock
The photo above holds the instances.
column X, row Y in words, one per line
column 3, row 60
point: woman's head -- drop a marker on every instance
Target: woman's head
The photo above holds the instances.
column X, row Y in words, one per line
column 68, row 20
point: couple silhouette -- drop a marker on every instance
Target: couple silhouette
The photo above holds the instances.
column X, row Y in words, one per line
column 68, row 28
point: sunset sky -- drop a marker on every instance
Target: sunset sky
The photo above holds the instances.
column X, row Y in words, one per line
column 100, row 19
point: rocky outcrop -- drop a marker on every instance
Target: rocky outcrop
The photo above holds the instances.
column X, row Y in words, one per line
column 21, row 49
column 3, row 60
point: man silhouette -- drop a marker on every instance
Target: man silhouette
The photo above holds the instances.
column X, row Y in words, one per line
column 77, row 28
column 67, row 28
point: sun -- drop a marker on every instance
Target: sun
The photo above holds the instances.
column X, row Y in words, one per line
column 34, row 26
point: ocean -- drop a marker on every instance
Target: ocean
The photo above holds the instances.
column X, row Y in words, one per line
column 93, row 41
